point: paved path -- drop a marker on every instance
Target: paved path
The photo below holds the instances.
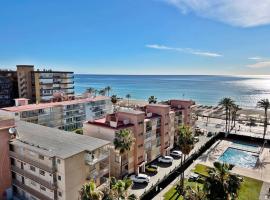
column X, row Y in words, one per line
column 265, row 191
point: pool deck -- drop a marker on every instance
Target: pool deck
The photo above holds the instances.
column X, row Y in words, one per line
column 261, row 171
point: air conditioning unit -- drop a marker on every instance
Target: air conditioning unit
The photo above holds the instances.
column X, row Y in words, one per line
column 113, row 124
column 149, row 114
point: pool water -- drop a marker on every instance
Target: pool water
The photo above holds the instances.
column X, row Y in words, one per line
column 245, row 146
column 239, row 158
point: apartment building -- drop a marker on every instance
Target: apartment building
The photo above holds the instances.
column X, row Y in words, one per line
column 8, row 88
column 41, row 86
column 65, row 115
column 50, row 164
column 5, row 175
column 153, row 127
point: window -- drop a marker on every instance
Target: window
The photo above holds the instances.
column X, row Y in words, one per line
column 42, row 172
column 140, row 145
column 140, row 123
column 59, row 178
column 41, row 157
column 42, row 188
column 58, row 161
column 141, row 134
column 59, row 194
column 32, row 168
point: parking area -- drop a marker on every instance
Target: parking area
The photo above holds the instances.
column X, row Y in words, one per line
column 164, row 169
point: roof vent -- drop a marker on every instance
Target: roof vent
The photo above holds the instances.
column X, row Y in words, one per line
column 126, row 121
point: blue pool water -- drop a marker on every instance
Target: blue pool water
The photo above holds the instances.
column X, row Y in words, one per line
column 239, row 158
column 245, row 146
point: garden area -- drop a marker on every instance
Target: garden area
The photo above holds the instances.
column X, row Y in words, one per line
column 249, row 188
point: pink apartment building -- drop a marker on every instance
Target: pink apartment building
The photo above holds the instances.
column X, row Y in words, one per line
column 153, row 127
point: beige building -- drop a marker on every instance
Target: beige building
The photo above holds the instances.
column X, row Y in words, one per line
column 65, row 115
column 50, row 164
column 154, row 129
column 42, row 86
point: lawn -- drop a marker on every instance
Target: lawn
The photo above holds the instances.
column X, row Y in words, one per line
column 250, row 188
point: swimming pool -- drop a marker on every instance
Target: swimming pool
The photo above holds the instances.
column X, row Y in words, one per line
column 239, row 158
column 245, row 146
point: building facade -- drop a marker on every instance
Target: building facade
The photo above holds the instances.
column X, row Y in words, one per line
column 50, row 164
column 153, row 127
column 5, row 174
column 65, row 115
column 8, row 88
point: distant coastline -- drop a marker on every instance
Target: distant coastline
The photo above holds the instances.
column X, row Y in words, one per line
column 246, row 90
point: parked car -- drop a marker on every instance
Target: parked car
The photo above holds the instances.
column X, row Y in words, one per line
column 151, row 168
column 196, row 139
column 140, row 178
column 193, row 177
column 176, row 153
column 165, row 159
column 218, row 125
column 209, row 134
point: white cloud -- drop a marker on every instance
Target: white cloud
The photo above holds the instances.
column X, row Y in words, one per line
column 255, row 58
column 185, row 50
column 243, row 13
column 262, row 64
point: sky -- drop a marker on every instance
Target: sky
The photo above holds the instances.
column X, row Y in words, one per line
column 137, row 36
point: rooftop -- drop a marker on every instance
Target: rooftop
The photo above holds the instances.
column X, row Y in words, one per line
column 52, row 104
column 106, row 124
column 131, row 111
column 158, row 105
column 54, row 142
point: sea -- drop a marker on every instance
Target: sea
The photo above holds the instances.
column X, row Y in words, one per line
column 203, row 89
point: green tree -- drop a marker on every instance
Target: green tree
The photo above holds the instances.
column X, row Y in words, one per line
column 114, row 100
column 221, row 184
column 226, row 103
column 108, row 89
column 185, row 144
column 234, row 109
column 120, row 189
column 152, row 99
column 90, row 90
column 89, row 191
column 264, row 104
column 128, row 96
column 194, row 193
column 79, row 131
column 102, row 92
column 122, row 142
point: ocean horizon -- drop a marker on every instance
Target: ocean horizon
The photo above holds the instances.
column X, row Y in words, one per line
column 246, row 90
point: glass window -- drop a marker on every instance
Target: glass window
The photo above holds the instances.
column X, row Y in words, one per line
column 59, row 178
column 41, row 172
column 32, row 168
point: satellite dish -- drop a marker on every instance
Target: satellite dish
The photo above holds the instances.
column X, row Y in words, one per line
column 12, row 130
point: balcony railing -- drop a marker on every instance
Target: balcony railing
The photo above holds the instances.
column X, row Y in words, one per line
column 30, row 190
column 32, row 162
column 93, row 159
column 26, row 174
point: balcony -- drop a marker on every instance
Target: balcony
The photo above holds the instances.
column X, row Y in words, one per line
column 30, row 190
column 32, row 162
column 26, row 174
column 92, row 159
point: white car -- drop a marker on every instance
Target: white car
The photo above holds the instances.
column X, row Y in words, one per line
column 140, row 178
column 176, row 153
column 165, row 159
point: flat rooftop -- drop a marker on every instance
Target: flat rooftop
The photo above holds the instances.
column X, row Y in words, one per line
column 52, row 104
column 54, row 142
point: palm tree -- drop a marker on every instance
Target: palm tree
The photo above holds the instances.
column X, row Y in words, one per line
column 114, row 100
column 90, row 90
column 235, row 108
column 120, row 188
column 226, row 103
column 152, row 99
column 194, row 193
column 108, row 89
column 102, row 92
column 128, row 96
column 264, row 104
column 221, row 184
column 90, row 192
column 185, row 144
column 122, row 142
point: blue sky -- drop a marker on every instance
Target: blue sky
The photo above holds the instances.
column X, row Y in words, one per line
column 137, row 36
